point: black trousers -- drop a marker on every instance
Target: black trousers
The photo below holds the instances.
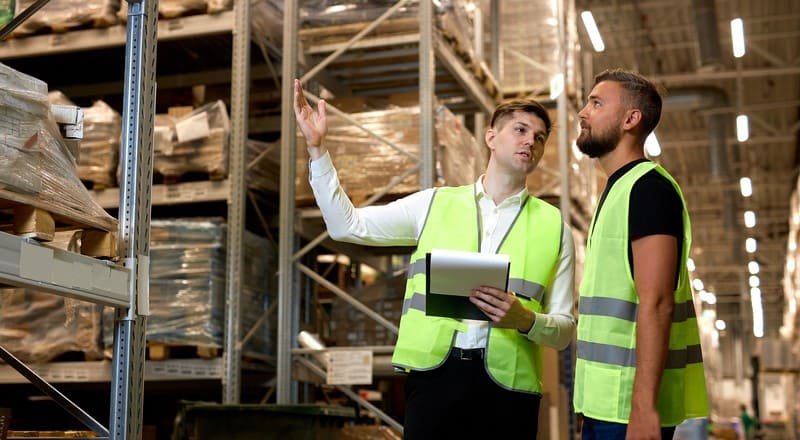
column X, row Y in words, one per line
column 460, row 401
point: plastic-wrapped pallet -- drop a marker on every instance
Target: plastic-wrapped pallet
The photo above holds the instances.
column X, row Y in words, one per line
column 263, row 166
column 39, row 327
column 194, row 143
column 452, row 20
column 36, row 167
column 187, row 285
column 98, row 156
column 64, row 15
column 366, row 165
column 351, row 327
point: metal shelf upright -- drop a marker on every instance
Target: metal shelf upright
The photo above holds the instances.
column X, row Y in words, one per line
column 29, row 264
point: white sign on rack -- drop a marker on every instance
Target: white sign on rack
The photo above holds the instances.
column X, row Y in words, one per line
column 351, row 367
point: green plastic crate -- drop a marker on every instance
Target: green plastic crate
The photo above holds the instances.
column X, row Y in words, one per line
column 207, row 421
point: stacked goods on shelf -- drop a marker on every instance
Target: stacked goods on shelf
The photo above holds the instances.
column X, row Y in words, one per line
column 263, row 166
column 351, row 327
column 98, row 150
column 181, row 8
column 187, row 285
column 367, row 165
column 196, row 142
column 451, row 19
column 64, row 15
column 267, row 22
column 39, row 327
column 37, row 170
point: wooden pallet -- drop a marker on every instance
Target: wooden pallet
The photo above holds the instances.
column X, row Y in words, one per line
column 160, row 351
column 50, row 434
column 193, row 176
column 33, row 218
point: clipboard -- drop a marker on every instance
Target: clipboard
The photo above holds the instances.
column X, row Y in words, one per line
column 451, row 276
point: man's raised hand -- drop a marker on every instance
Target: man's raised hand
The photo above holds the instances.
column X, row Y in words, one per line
column 313, row 125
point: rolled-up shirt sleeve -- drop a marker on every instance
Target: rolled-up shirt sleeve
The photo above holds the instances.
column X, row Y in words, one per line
column 395, row 224
column 555, row 326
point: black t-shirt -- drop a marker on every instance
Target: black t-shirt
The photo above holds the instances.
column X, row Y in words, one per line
column 655, row 208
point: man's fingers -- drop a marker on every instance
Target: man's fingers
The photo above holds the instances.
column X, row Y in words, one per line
column 321, row 109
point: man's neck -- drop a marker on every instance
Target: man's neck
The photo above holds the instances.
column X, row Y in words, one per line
column 624, row 153
column 499, row 188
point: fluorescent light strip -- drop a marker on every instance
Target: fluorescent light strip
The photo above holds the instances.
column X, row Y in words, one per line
column 651, row 146
column 594, row 33
column 746, row 186
column 737, row 37
column 742, row 128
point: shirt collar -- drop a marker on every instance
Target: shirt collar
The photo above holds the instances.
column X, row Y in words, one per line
column 516, row 199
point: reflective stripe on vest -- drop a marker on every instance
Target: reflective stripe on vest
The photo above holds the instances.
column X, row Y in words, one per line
column 608, row 308
column 533, row 245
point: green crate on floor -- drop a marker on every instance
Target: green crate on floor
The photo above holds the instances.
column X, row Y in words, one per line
column 206, row 421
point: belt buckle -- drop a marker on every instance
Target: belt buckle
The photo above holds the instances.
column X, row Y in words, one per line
column 470, row 354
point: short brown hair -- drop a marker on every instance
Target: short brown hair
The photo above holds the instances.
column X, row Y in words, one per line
column 508, row 108
column 641, row 94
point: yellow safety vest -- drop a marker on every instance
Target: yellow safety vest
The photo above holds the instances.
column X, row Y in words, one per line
column 533, row 245
column 607, row 310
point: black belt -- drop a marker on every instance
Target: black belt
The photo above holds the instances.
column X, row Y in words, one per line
column 467, row 354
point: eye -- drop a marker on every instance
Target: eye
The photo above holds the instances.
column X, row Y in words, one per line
column 540, row 138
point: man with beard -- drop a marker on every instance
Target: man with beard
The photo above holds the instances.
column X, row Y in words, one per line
column 639, row 368
column 468, row 378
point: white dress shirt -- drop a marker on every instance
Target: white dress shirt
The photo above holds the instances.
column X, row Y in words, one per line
column 400, row 223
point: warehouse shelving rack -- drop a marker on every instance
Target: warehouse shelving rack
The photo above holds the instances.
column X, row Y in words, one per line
column 128, row 373
column 124, row 287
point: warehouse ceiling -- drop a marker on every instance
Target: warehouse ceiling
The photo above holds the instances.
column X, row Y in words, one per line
column 686, row 46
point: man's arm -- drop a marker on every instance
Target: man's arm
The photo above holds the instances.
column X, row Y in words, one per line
column 395, row 224
column 654, row 260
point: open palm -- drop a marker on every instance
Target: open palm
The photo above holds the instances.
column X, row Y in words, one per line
column 313, row 124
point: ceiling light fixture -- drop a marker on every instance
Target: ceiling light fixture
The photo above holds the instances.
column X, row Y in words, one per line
column 594, row 33
column 697, row 283
column 690, row 264
column 746, row 186
column 737, row 37
column 753, row 267
column 651, row 146
column 749, row 219
column 758, row 312
column 751, row 245
column 742, row 128
column 754, row 281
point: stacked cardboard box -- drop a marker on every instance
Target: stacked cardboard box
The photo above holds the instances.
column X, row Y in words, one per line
column 196, row 142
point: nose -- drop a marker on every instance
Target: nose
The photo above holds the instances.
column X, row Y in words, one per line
column 582, row 113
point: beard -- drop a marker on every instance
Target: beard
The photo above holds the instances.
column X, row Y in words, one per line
column 600, row 144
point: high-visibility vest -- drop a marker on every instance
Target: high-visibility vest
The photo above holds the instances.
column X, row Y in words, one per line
column 533, row 244
column 607, row 311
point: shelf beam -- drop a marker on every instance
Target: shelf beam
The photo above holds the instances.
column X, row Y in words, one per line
column 28, row 264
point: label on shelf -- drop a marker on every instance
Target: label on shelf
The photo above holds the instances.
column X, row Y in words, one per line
column 350, row 367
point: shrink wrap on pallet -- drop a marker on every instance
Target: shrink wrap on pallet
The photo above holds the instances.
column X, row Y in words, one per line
column 188, row 284
column 194, row 143
column 36, row 167
column 64, row 15
column 39, row 327
column 366, row 165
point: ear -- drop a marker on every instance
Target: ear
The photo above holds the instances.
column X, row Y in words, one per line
column 489, row 138
column 632, row 119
